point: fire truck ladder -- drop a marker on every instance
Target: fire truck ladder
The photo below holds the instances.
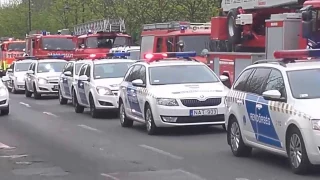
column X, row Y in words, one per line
column 102, row 25
column 176, row 26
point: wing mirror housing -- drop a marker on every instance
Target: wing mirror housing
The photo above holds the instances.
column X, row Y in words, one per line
column 67, row 73
column 30, row 72
column 273, row 95
column 83, row 78
column 5, row 78
column 224, row 78
column 9, row 70
column 138, row 83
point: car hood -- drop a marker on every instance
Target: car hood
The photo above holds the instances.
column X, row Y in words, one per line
column 49, row 75
column 309, row 107
column 111, row 83
column 190, row 90
column 20, row 74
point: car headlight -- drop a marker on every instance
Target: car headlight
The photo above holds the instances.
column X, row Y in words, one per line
column 42, row 81
column 167, row 102
column 104, row 91
column 316, row 124
column 3, row 91
column 19, row 78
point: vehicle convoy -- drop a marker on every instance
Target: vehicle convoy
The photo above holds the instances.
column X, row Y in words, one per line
column 16, row 74
column 149, row 94
column 271, row 106
column 9, row 49
column 175, row 36
column 42, row 43
column 98, row 84
column 98, row 37
column 43, row 75
column 253, row 30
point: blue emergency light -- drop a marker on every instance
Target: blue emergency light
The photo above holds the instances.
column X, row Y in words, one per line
column 188, row 54
column 119, row 54
column 56, row 56
column 44, row 33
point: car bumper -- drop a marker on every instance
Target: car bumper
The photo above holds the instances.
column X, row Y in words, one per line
column 47, row 88
column 166, row 116
column 20, row 86
column 106, row 102
column 312, row 144
column 4, row 102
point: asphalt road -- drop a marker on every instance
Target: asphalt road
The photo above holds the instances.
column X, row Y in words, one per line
column 41, row 140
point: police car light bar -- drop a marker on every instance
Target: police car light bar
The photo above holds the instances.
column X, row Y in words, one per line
column 182, row 54
column 296, row 54
column 25, row 57
column 56, row 56
column 96, row 56
column 118, row 55
column 150, row 57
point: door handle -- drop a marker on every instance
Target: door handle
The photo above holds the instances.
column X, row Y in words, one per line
column 259, row 106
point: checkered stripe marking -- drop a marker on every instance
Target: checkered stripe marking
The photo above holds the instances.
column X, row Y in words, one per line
column 144, row 92
column 286, row 109
column 235, row 96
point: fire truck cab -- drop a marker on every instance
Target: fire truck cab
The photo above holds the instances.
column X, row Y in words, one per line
column 9, row 50
column 175, row 37
column 42, row 43
column 98, row 37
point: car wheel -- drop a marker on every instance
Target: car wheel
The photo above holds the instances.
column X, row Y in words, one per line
column 152, row 129
column 35, row 93
column 297, row 154
column 124, row 120
column 62, row 100
column 237, row 145
column 5, row 111
column 77, row 107
column 27, row 92
column 93, row 110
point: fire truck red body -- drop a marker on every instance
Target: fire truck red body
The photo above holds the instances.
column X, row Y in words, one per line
column 174, row 37
column 9, row 50
column 45, row 44
column 252, row 30
column 98, row 37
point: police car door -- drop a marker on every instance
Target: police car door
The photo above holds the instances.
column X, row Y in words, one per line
column 65, row 80
column 11, row 74
column 80, row 87
column 28, row 77
column 132, row 93
column 272, row 122
column 87, row 84
column 123, row 89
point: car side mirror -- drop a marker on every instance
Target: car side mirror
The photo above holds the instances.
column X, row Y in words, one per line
column 9, row 70
column 83, row 78
column 5, row 78
column 204, row 52
column 224, row 78
column 30, row 72
column 272, row 95
column 138, row 82
column 67, row 73
column 82, row 46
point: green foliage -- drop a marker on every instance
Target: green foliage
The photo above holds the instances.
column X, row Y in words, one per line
column 52, row 15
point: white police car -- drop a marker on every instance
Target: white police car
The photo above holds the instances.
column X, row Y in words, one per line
column 177, row 92
column 69, row 74
column 4, row 97
column 43, row 76
column 273, row 106
column 98, row 84
column 16, row 74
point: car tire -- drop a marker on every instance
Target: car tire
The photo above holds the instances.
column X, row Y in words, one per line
column 62, row 100
column 77, row 107
column 93, row 110
column 27, row 92
column 295, row 146
column 151, row 127
column 238, row 148
column 124, row 120
column 5, row 111
column 35, row 93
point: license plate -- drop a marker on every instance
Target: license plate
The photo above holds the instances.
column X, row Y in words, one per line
column 20, row 86
column 203, row 112
column 55, row 87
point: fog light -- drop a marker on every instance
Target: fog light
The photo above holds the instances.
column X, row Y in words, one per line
column 169, row 119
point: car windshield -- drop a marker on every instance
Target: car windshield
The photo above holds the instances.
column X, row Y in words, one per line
column 110, row 70
column 195, row 43
column 17, row 46
column 44, row 67
column 181, row 74
column 77, row 68
column 300, row 82
column 56, row 44
column 21, row 67
column 106, row 42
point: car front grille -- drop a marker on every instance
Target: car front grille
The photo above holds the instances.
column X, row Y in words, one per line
column 198, row 103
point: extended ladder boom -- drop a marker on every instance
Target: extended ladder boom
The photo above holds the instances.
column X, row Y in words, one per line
column 102, row 25
column 257, row 4
column 175, row 26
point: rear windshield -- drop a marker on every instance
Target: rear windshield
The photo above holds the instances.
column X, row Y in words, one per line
column 18, row 46
column 44, row 67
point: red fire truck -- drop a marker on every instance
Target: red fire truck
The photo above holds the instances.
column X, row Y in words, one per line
column 251, row 30
column 42, row 43
column 9, row 50
column 174, row 37
column 98, row 37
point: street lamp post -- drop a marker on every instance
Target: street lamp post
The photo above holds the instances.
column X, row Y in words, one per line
column 29, row 16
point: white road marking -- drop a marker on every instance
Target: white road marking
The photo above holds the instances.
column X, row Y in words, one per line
column 160, row 151
column 88, row 127
column 25, row 104
column 4, row 146
column 50, row 114
column 109, row 176
column 191, row 174
column 14, row 156
column 23, row 163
